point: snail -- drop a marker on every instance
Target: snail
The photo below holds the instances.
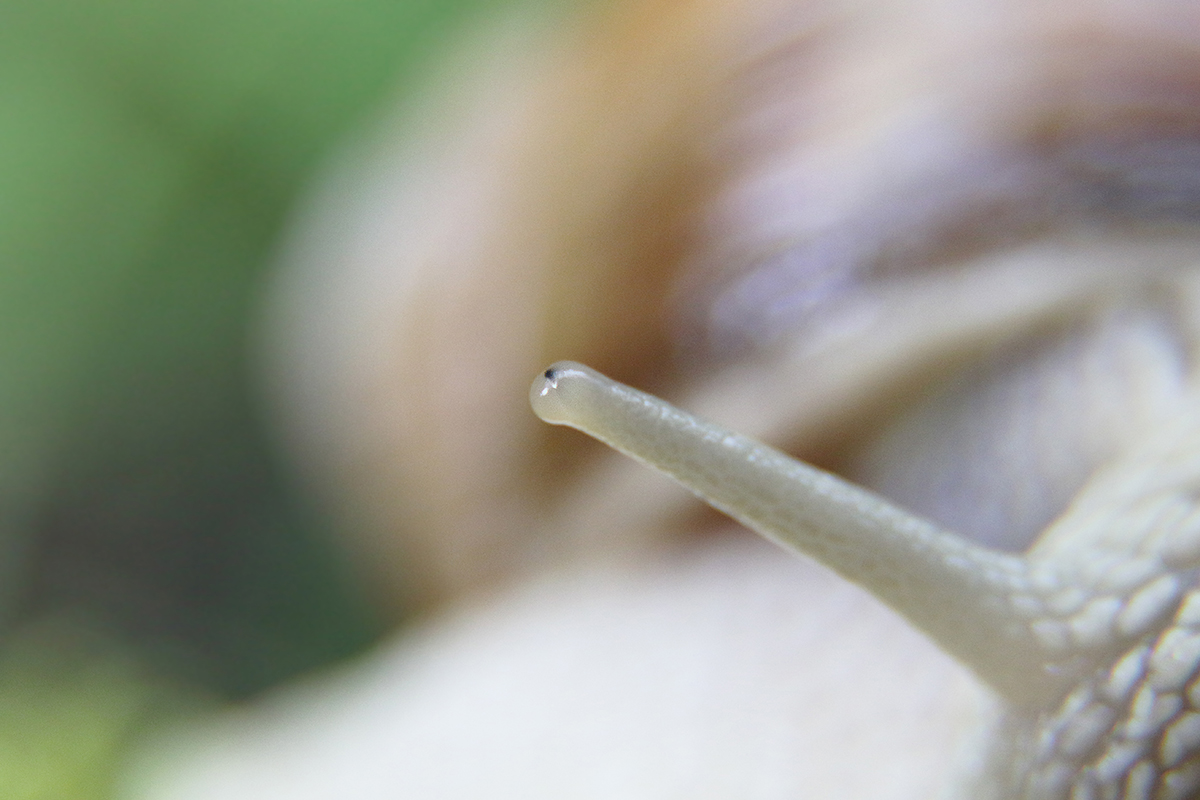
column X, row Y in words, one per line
column 945, row 251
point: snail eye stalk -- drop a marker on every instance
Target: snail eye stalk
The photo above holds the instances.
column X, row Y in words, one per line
column 961, row 594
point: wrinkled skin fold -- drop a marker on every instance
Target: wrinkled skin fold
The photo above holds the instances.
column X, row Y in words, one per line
column 945, row 250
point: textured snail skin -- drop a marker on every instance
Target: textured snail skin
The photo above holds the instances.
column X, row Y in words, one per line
column 1092, row 639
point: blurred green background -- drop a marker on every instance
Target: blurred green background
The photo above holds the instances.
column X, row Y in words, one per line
column 152, row 556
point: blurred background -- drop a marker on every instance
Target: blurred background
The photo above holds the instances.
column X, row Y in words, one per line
column 155, row 559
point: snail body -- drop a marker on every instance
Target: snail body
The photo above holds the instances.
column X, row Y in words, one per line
column 1092, row 639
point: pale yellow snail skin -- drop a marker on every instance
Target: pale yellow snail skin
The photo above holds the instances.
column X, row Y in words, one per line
column 1092, row 639
column 899, row 239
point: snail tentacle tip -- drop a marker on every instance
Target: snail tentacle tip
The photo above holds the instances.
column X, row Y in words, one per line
column 551, row 397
